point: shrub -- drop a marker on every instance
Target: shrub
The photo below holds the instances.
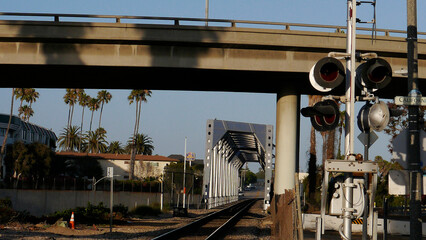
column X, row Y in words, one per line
column 89, row 214
column 143, row 210
column 7, row 214
column 120, row 208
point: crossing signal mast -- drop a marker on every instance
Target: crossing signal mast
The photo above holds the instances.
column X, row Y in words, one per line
column 328, row 73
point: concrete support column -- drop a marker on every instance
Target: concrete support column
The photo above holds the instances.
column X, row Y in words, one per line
column 285, row 163
column 287, row 141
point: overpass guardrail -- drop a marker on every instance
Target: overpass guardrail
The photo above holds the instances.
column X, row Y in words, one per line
column 182, row 21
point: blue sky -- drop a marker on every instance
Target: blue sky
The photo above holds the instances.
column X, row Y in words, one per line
column 170, row 116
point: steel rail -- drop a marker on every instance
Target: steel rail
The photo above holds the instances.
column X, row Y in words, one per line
column 177, row 21
column 197, row 224
column 231, row 222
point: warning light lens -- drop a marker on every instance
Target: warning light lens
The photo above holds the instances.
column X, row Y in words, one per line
column 329, row 119
column 329, row 72
column 318, row 120
column 378, row 74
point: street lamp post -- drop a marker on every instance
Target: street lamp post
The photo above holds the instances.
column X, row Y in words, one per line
column 184, row 175
column 110, row 174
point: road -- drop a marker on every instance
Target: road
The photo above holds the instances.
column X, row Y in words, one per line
column 258, row 192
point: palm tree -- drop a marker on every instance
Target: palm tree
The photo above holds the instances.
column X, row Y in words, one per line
column 26, row 112
column 21, row 110
column 3, row 146
column 83, row 101
column 104, row 97
column 95, row 141
column 69, row 139
column 312, row 163
column 115, row 147
column 70, row 98
column 93, row 106
column 19, row 94
column 28, row 95
column 31, row 95
column 138, row 96
column 141, row 143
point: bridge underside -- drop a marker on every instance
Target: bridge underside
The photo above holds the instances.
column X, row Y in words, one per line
column 229, row 146
column 166, row 78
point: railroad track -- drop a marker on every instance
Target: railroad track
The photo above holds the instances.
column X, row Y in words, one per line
column 211, row 226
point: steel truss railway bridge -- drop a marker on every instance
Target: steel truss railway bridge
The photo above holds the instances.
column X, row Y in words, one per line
column 128, row 52
column 229, row 145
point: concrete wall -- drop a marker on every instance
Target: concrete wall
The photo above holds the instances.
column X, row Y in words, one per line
column 42, row 202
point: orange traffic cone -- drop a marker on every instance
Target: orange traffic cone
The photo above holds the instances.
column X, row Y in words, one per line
column 72, row 221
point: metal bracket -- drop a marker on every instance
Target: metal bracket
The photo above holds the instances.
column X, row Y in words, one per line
column 339, row 55
column 352, row 185
column 333, row 97
column 335, row 165
column 367, row 97
column 349, row 209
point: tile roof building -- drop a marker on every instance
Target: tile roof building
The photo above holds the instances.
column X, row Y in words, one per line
column 145, row 165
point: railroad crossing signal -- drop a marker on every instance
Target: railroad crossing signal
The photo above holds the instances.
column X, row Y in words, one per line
column 373, row 74
column 327, row 74
column 324, row 115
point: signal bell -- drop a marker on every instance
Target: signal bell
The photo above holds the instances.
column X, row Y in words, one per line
column 374, row 74
column 324, row 115
column 327, row 74
column 373, row 117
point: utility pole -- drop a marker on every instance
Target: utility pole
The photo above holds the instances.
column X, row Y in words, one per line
column 207, row 12
column 413, row 147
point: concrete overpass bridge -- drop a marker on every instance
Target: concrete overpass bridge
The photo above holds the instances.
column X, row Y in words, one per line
column 74, row 50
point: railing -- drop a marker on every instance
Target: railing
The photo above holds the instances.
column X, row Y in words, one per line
column 120, row 19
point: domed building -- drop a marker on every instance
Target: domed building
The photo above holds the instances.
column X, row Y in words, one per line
column 25, row 132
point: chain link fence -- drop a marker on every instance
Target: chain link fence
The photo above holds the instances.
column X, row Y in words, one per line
column 85, row 184
column 173, row 189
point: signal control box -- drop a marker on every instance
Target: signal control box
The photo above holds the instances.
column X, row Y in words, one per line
column 338, row 197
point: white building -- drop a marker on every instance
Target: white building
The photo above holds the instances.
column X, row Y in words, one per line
column 145, row 165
